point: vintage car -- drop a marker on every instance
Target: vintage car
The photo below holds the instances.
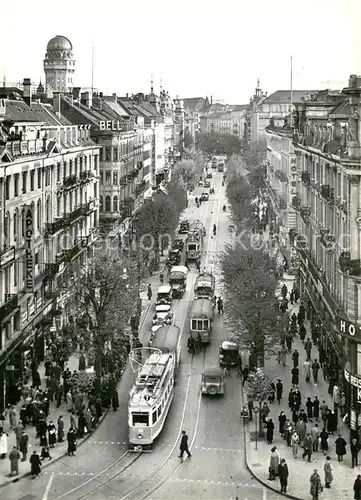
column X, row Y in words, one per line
column 207, row 184
column 178, row 243
column 164, row 295
column 200, row 183
column 174, row 256
column 178, row 280
column 184, row 226
column 163, row 314
column 229, row 354
column 212, row 381
column 205, row 196
column 209, row 175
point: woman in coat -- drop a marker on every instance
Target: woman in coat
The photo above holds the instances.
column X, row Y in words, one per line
column 35, row 465
column 295, row 442
column 270, row 430
column 69, row 401
column 60, row 429
column 273, row 464
column 301, row 429
column 316, row 408
column 315, row 488
column 265, row 412
column 282, row 420
column 357, row 488
column 309, row 407
column 3, row 444
column 52, row 434
column 328, row 472
column 340, row 448
column 324, row 440
column 71, row 438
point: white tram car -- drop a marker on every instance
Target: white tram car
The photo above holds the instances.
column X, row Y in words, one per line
column 153, row 391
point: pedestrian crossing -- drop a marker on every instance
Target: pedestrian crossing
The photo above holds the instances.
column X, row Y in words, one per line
column 223, row 482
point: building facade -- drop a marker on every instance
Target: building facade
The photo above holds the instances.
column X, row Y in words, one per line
column 48, row 208
column 326, row 197
column 59, row 66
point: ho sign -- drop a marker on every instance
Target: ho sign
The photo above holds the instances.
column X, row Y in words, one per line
column 347, row 328
column 29, row 248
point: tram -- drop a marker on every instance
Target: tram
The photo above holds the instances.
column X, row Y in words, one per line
column 153, row 392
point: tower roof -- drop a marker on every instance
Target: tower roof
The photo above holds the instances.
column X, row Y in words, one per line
column 59, row 42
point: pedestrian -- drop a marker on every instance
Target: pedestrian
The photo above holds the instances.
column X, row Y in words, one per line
column 316, row 408
column 265, row 412
column 161, row 278
column 60, row 425
column 23, row 445
column 18, row 432
column 307, row 370
column 220, row 305
column 340, row 447
column 303, row 332
column 292, row 296
column 315, row 434
column 336, row 395
column 295, row 376
column 273, row 464
column 343, row 407
column 324, row 440
column 272, row 393
column 3, row 444
column 71, row 438
column 295, row 357
column 308, row 348
column 270, row 431
column 332, row 421
column 14, row 457
column 184, row 445
column 284, row 291
column 328, row 472
column 289, row 340
column 307, row 447
column 52, row 434
column 282, row 421
column 357, row 488
column 295, row 442
column 355, row 448
column 279, row 390
column 149, row 291
column 324, row 412
column 81, row 363
column 283, row 475
column 45, row 453
column 72, row 423
column 296, row 293
column 13, row 417
column 301, row 314
column 36, row 380
column 35, row 465
column 315, row 369
column 309, row 407
column 316, row 486
column 282, row 355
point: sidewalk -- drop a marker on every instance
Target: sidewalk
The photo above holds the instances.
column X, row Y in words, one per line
column 299, row 470
column 60, row 448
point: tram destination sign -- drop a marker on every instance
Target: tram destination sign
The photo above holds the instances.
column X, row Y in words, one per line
column 29, row 248
column 348, row 328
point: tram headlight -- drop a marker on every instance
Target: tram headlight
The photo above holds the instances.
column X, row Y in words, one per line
column 140, row 435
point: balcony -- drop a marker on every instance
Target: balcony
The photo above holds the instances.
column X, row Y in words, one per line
column 348, row 266
column 70, row 181
column 327, row 240
column 341, row 206
column 305, row 212
column 296, row 202
column 56, row 226
column 7, row 254
column 18, row 148
column 71, row 253
column 282, row 202
column 11, row 303
column 86, row 176
column 325, row 191
column 140, row 188
column 305, row 178
column 51, row 270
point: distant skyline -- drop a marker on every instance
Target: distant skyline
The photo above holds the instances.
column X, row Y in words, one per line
column 197, row 48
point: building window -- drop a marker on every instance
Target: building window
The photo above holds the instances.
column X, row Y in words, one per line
column 108, row 178
column 58, row 172
column 85, row 162
column 70, row 167
column 115, row 178
column 76, row 166
column 107, row 204
column 15, row 224
column 6, row 228
column 108, row 154
column 32, row 180
column 7, row 187
column 115, row 154
column 25, row 176
column 38, row 215
column 47, row 177
column 115, row 204
column 101, row 178
column 16, row 185
column 58, row 205
column 39, row 178
column 101, row 203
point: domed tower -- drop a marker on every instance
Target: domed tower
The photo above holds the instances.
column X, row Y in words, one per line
column 153, row 99
column 59, row 65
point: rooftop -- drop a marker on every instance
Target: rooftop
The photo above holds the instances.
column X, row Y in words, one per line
column 284, row 96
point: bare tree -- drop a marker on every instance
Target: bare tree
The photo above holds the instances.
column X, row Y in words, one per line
column 258, row 390
column 178, row 193
column 188, row 171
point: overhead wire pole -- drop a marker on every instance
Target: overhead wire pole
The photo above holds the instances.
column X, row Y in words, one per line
column 92, row 88
column 291, row 96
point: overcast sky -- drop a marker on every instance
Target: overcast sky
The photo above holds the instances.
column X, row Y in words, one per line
column 197, row 47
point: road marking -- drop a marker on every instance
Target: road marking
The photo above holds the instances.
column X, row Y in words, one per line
column 264, row 496
column 48, row 486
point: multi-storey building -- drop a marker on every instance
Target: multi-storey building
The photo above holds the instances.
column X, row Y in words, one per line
column 48, row 210
column 194, row 108
column 223, row 119
column 59, row 66
column 326, row 196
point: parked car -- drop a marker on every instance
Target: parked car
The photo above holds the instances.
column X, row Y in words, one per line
column 178, row 243
column 213, row 381
column 209, row 175
column 163, row 314
column 164, row 295
column 174, row 256
column 207, row 184
column 184, row 226
column 205, row 196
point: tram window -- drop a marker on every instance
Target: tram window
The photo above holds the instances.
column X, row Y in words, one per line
column 140, row 418
column 197, row 324
column 192, row 247
column 154, row 416
column 159, row 411
column 205, row 324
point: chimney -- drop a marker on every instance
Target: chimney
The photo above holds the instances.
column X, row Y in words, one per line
column 27, row 91
column 86, row 98
column 126, row 95
column 114, row 97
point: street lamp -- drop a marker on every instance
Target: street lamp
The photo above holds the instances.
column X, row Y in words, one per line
column 256, row 410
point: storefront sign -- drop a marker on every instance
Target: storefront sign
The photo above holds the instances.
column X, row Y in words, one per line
column 353, row 420
column 111, row 125
column 354, row 380
column 29, row 248
column 347, row 328
column 32, row 308
column 24, row 316
column 39, row 303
